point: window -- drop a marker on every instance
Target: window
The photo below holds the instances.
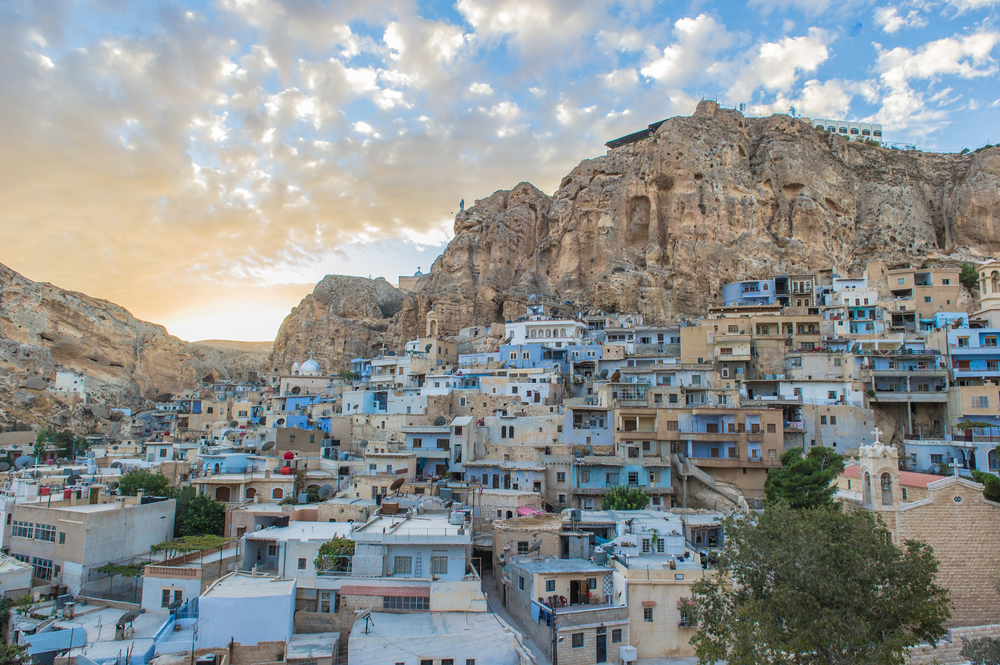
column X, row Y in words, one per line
column 458, row 429
column 904, row 494
column 981, row 402
column 163, row 452
column 45, row 532
column 560, row 476
column 520, row 583
column 562, row 498
column 963, row 342
column 577, row 640
column 937, row 459
column 616, row 635
column 62, row 537
column 522, row 547
column 833, row 420
column 584, row 475
column 822, row 420
column 550, row 586
column 647, row 614
column 211, row 410
column 165, row 598
column 734, row 329
column 272, row 549
column 405, row 602
column 831, row 394
column 439, row 565
column 725, row 351
column 771, row 428
column 645, row 546
column 927, row 299
column 302, row 563
column 43, row 568
column 418, row 443
column 242, row 414
column 21, row 529
column 402, row 565
column 633, row 478
column 989, row 341
column 645, row 446
column 901, row 280
column 945, row 282
column 673, row 398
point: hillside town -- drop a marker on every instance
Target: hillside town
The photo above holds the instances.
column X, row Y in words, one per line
column 543, row 490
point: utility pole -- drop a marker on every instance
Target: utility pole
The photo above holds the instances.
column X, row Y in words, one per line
column 555, row 637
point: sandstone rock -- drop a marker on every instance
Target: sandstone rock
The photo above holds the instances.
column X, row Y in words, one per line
column 659, row 226
column 34, row 383
column 23, row 398
column 343, row 318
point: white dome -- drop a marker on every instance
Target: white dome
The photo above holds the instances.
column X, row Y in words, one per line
column 311, row 366
column 295, row 365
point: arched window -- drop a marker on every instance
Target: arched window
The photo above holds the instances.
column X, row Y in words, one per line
column 217, row 468
column 886, row 489
column 534, row 334
column 765, row 330
column 503, row 432
column 867, row 488
column 222, row 494
column 802, row 329
column 812, row 328
column 509, row 514
column 994, row 281
column 548, row 333
column 251, row 493
column 510, row 432
column 278, row 493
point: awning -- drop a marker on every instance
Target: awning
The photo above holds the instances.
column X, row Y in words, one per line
column 528, row 510
column 395, row 591
column 649, row 603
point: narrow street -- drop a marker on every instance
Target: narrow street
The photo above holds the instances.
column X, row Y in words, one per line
column 495, row 606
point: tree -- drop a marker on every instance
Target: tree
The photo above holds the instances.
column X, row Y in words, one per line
column 150, row 482
column 821, row 586
column 332, row 553
column 14, row 654
column 805, row 482
column 984, row 651
column 969, row 277
column 991, row 490
column 623, row 497
column 201, row 516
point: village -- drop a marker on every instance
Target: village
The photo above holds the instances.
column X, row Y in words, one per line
column 543, row 490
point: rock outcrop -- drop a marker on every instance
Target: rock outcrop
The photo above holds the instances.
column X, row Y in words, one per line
column 126, row 361
column 659, row 226
column 343, row 318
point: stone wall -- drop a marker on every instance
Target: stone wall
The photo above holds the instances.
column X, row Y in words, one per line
column 948, row 650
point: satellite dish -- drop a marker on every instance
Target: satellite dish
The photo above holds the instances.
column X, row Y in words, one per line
column 604, row 373
column 116, row 465
column 396, row 484
column 535, row 546
column 428, row 348
column 325, row 492
column 234, row 424
column 73, row 479
column 114, row 447
column 113, row 485
column 4, row 466
column 279, row 421
column 23, row 462
column 439, row 421
column 267, row 445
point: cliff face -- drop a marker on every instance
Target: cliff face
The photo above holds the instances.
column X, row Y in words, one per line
column 343, row 318
column 659, row 226
column 44, row 328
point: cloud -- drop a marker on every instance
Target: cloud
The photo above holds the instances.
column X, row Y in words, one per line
column 889, row 19
column 697, row 40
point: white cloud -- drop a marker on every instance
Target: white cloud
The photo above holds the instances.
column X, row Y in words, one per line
column 363, row 127
column 697, row 40
column 481, row 89
column 889, row 19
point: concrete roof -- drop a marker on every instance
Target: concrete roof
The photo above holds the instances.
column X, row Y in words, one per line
column 303, row 531
column 434, row 635
column 10, row 564
column 311, row 645
column 560, row 566
column 243, row 585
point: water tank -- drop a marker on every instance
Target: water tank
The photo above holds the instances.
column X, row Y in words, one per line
column 303, row 497
column 445, row 493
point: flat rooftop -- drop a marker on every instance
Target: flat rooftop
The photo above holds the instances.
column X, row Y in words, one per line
column 560, row 566
column 303, row 531
column 311, row 645
column 243, row 585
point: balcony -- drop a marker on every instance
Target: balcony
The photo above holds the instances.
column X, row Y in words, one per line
column 736, row 463
column 900, row 396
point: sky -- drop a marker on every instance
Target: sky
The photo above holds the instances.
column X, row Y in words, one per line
column 204, row 164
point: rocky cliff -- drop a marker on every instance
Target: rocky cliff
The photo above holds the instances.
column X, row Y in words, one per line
column 343, row 318
column 659, row 226
column 44, row 329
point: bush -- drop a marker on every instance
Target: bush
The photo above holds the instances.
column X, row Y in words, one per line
column 969, row 277
column 623, row 497
column 991, row 483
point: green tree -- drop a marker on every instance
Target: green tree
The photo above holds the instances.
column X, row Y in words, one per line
column 14, row 654
column 991, row 490
column 969, row 277
column 332, row 553
column 623, row 497
column 201, row 515
column 151, row 483
column 805, row 482
column 984, row 651
column 819, row 586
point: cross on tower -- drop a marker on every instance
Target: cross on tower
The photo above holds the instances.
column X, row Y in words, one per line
column 877, row 432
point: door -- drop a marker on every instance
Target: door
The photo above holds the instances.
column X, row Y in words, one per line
column 538, row 397
column 602, row 648
column 574, row 592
